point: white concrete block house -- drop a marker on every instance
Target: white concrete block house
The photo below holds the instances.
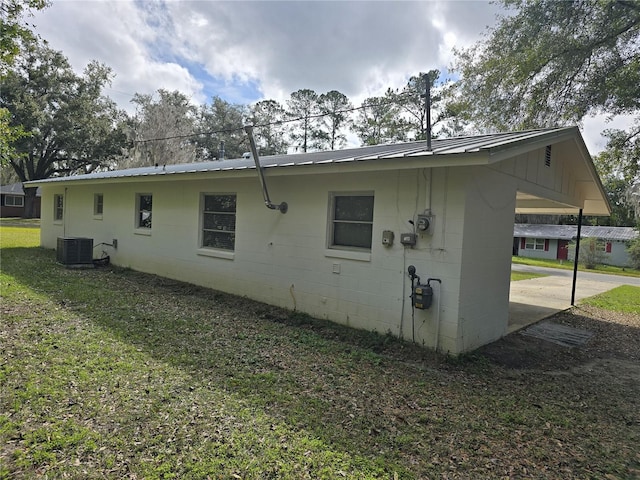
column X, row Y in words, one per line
column 206, row 223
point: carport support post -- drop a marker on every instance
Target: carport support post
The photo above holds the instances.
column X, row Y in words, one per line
column 575, row 260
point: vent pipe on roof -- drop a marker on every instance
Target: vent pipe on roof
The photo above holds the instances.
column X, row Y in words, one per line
column 283, row 207
column 221, row 150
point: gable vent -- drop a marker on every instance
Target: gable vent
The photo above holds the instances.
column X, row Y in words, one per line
column 547, row 156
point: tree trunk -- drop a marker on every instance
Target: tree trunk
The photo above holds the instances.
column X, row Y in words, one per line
column 29, row 203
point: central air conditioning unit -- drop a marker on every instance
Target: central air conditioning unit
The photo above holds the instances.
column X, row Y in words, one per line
column 75, row 251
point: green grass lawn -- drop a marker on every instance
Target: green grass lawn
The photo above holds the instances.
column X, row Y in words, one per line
column 19, row 237
column 110, row 373
column 20, row 222
column 517, row 276
column 567, row 265
column 625, row 298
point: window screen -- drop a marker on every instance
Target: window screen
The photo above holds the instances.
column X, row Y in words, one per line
column 219, row 221
column 352, row 221
column 58, row 207
column 145, row 208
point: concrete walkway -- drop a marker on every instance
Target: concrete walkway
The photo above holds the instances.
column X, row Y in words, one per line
column 533, row 300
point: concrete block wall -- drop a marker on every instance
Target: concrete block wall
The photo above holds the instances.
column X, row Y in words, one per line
column 284, row 259
column 486, row 257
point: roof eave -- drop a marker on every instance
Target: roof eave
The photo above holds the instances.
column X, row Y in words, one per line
column 427, row 160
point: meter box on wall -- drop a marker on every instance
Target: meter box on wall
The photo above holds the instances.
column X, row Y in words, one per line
column 408, row 239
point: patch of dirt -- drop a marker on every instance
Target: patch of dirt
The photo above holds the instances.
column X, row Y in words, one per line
column 615, row 345
column 623, row 370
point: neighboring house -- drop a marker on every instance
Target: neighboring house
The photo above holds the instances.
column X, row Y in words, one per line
column 356, row 220
column 558, row 241
column 12, row 200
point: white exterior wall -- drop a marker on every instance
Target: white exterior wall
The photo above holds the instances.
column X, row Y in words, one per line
column 284, row 259
column 486, row 257
column 618, row 255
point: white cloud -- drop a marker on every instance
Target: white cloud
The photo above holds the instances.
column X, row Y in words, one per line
column 244, row 51
column 593, row 126
column 116, row 34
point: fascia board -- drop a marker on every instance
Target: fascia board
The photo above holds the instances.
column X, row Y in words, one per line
column 592, row 172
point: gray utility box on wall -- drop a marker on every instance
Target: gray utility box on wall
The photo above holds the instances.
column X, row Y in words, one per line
column 75, row 251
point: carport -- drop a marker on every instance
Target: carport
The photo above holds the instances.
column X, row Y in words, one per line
column 535, row 299
column 538, row 298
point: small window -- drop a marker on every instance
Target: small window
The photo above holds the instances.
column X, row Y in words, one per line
column 219, row 221
column 351, row 221
column 534, row 244
column 98, row 204
column 144, row 203
column 604, row 246
column 58, row 207
column 13, row 201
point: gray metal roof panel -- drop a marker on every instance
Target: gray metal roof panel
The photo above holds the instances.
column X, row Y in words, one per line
column 15, row 189
column 448, row 146
column 563, row 232
column 610, row 233
column 568, row 232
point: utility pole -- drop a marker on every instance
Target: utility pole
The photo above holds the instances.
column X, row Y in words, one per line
column 427, row 107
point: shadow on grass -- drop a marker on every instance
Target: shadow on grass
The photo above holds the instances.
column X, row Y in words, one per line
column 114, row 296
column 37, row 268
column 302, row 370
column 358, row 391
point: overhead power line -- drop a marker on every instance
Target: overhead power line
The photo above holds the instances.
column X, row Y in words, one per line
column 279, row 122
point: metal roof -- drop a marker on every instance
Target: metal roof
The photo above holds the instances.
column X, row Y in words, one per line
column 610, row 233
column 562, row 232
column 15, row 189
column 449, row 146
column 569, row 232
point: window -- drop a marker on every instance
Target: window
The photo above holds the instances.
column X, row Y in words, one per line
column 98, row 204
column 351, row 220
column 535, row 244
column 58, row 207
column 13, row 201
column 219, row 221
column 144, row 202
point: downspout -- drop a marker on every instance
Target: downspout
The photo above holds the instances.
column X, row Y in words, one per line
column 575, row 260
column 64, row 212
column 283, row 207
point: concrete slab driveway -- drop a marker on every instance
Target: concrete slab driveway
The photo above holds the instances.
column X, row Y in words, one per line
column 538, row 298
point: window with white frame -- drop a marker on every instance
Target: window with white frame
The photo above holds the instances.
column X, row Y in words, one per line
column 13, row 201
column 351, row 220
column 534, row 244
column 144, row 208
column 219, row 221
column 98, row 203
column 58, row 207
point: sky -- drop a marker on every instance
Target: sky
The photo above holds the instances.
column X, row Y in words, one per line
column 247, row 51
